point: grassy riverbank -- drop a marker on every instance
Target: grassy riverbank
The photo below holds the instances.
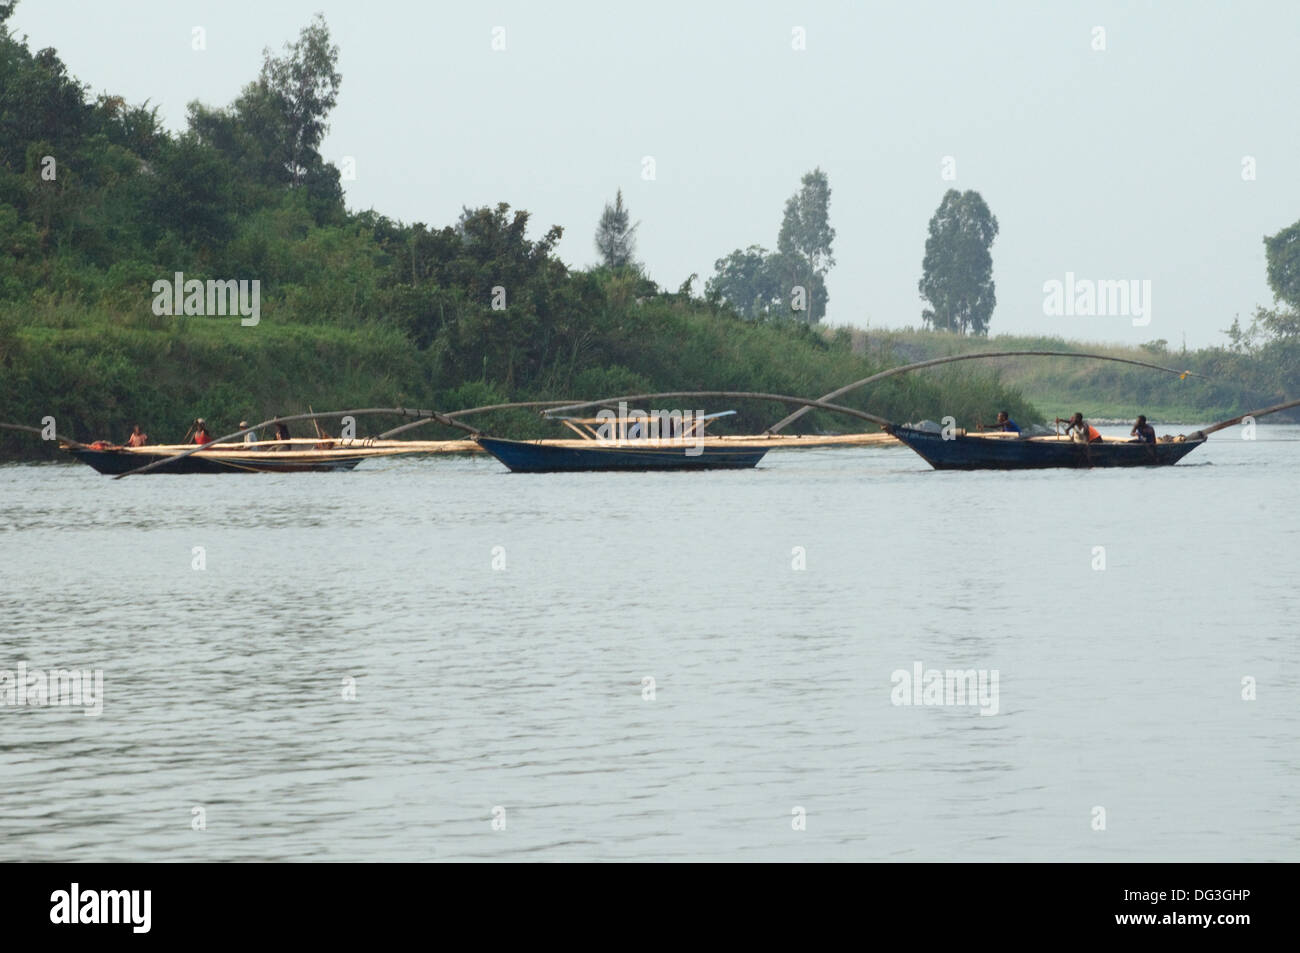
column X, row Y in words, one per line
column 1258, row 372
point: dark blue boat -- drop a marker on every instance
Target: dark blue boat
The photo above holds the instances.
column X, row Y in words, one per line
column 529, row 457
column 965, row 452
column 115, row 461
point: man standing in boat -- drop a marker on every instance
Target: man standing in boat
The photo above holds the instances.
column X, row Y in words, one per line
column 201, row 435
column 1143, row 430
column 138, row 437
column 1079, row 430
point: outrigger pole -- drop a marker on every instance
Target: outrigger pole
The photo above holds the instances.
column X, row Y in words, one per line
column 1263, row 412
column 786, row 421
column 39, row 431
column 427, row 416
column 451, row 417
column 364, row 411
column 733, row 395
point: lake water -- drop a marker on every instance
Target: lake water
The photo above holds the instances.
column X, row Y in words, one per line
column 498, row 631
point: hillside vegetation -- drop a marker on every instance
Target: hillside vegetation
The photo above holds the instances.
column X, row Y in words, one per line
column 98, row 203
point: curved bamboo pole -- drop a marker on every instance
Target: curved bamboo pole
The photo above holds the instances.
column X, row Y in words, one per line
column 1263, row 412
column 785, row 421
column 426, row 416
column 37, row 430
column 361, row 412
column 735, row 395
column 518, row 405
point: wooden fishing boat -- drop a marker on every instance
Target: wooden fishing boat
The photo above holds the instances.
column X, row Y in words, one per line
column 999, row 451
column 533, row 456
column 233, row 458
column 625, row 443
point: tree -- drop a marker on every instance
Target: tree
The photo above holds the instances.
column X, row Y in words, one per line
column 273, row 131
column 1283, row 254
column 745, row 282
column 39, row 101
column 616, row 236
column 806, row 236
column 306, row 83
column 189, row 193
column 758, row 283
column 957, row 273
column 790, row 272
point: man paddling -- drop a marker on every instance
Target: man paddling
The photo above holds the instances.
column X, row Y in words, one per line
column 201, row 435
column 1079, row 430
column 1143, row 430
column 1006, row 424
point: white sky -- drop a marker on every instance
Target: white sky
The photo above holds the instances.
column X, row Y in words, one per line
column 1122, row 164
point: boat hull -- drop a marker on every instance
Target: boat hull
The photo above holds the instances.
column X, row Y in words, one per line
column 990, row 453
column 528, row 457
column 120, row 461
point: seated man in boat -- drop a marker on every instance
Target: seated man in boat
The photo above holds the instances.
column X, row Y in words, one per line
column 138, row 437
column 1006, row 424
column 1143, row 430
column 201, row 435
column 251, row 436
column 282, row 433
column 1079, row 430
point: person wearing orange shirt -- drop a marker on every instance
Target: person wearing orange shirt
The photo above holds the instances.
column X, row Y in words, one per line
column 1079, row 430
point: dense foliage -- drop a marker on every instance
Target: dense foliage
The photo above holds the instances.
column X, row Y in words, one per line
column 791, row 281
column 98, row 202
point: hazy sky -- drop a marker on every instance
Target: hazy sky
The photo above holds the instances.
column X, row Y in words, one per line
column 1125, row 163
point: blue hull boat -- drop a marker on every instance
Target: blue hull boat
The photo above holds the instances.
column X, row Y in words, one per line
column 120, row 461
column 961, row 452
column 524, row 457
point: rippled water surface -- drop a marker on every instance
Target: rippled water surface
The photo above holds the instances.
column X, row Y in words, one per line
column 522, row 687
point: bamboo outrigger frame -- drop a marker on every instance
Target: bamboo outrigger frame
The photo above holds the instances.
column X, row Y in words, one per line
column 450, row 419
column 619, row 428
column 384, row 445
column 934, row 362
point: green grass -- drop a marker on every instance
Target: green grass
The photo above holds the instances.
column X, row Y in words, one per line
column 1097, row 389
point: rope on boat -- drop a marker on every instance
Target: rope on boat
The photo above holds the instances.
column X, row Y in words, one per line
column 791, row 418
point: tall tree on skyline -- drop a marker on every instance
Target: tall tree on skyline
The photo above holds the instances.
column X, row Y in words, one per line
column 616, row 235
column 957, row 272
